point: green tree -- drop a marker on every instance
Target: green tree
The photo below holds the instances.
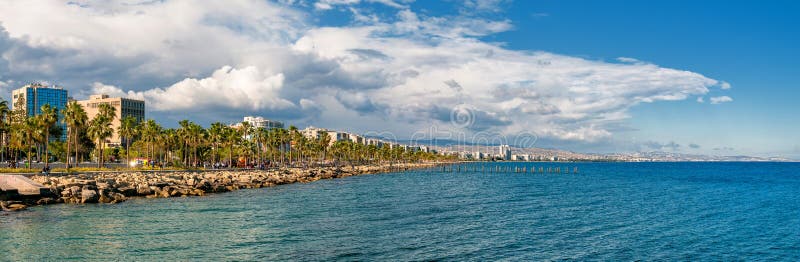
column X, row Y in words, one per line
column 29, row 134
column 100, row 129
column 128, row 129
column 47, row 118
column 75, row 119
column 5, row 125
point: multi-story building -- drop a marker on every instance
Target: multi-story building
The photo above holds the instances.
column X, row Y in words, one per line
column 33, row 96
column 338, row 136
column 123, row 107
column 314, row 133
column 505, row 152
column 477, row 155
column 373, row 142
column 260, row 122
column 356, row 139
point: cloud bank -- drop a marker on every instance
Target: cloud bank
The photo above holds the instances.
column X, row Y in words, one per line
column 216, row 61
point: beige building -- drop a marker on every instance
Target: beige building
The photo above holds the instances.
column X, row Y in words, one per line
column 124, row 107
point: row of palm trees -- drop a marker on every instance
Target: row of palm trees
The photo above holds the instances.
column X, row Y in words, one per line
column 189, row 145
column 24, row 132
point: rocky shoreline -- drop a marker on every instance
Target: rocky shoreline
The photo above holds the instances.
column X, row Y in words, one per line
column 115, row 187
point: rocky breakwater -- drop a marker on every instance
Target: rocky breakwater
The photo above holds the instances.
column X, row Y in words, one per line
column 115, row 187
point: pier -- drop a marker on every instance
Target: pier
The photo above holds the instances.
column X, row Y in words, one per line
column 499, row 169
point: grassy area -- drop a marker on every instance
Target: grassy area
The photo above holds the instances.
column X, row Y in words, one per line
column 18, row 170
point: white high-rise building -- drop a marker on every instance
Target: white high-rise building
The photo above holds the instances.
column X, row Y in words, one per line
column 257, row 121
column 505, row 152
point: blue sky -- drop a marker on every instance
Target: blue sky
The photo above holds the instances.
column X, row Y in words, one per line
column 591, row 76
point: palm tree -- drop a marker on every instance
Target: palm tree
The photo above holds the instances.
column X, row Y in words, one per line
column 196, row 135
column 232, row 137
column 169, row 139
column 5, row 124
column 183, row 133
column 215, row 137
column 107, row 111
column 75, row 118
column 294, row 142
column 245, row 129
column 28, row 135
column 100, row 129
column 280, row 139
column 150, row 132
column 47, row 118
column 128, row 128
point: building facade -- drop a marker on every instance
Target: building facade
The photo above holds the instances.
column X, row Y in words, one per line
column 260, row 122
column 505, row 152
column 314, row 133
column 123, row 107
column 33, row 96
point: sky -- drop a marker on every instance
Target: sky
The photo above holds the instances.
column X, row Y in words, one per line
column 699, row 77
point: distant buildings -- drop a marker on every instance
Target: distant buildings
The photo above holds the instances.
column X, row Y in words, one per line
column 123, row 107
column 33, row 96
column 260, row 122
column 314, row 133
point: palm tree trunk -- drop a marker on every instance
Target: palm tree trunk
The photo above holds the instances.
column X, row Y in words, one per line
column 46, row 140
column 66, row 163
column 230, row 155
column 77, row 162
column 100, row 147
column 127, row 152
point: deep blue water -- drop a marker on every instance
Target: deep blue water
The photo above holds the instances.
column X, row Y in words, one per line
column 609, row 211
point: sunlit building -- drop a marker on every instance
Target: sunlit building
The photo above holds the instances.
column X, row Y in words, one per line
column 123, row 107
column 33, row 96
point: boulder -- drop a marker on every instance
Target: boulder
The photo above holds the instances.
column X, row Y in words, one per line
column 144, row 190
column 128, row 191
column 89, row 196
column 45, row 201
column 15, row 207
column 118, row 197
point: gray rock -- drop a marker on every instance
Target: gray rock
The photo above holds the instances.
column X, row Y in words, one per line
column 89, row 196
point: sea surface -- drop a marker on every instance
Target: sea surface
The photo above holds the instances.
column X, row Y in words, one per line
column 608, row 211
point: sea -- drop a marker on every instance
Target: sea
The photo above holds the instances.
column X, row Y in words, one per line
column 604, row 212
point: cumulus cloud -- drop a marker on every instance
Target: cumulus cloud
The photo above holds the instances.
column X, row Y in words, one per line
column 225, row 59
column 700, row 99
column 720, row 99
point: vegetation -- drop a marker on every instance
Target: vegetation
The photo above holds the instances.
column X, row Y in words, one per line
column 190, row 145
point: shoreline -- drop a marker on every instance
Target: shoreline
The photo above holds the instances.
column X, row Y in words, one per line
column 116, row 187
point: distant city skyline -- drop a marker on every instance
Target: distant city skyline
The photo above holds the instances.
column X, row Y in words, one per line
column 711, row 78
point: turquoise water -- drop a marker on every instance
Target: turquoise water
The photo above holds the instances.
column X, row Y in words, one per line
column 610, row 211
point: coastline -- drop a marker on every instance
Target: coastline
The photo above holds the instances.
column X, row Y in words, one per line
column 116, row 187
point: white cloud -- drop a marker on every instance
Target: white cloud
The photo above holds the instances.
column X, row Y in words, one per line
column 724, row 85
column 405, row 75
column 246, row 89
column 485, row 5
column 700, row 99
column 628, row 60
column 330, row 4
column 720, row 99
